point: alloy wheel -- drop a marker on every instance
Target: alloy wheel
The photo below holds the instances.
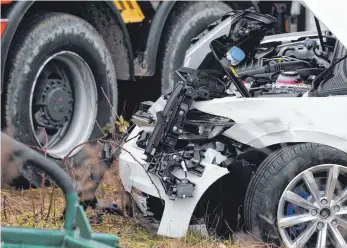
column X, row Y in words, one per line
column 312, row 210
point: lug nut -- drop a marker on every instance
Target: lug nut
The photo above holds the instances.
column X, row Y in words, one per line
column 334, row 222
column 320, row 225
column 337, row 208
column 314, row 212
column 324, row 202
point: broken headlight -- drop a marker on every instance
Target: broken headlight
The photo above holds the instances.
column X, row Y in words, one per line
column 205, row 126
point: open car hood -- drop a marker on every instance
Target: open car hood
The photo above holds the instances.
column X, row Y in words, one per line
column 332, row 14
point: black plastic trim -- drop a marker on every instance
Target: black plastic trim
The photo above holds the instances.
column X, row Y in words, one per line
column 14, row 17
column 127, row 37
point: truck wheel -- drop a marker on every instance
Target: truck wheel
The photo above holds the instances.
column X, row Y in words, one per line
column 187, row 21
column 62, row 86
column 298, row 197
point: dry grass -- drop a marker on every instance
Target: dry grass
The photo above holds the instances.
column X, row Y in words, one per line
column 43, row 208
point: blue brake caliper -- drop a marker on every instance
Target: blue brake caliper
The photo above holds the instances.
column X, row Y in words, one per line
column 293, row 209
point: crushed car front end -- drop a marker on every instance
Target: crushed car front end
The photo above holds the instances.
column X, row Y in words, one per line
column 145, row 188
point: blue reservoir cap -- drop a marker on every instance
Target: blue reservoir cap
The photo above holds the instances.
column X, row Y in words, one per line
column 236, row 55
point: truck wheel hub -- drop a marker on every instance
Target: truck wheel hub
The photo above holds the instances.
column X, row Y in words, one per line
column 56, row 103
column 64, row 102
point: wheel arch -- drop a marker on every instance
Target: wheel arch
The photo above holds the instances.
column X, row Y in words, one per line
column 236, row 182
column 299, row 136
column 118, row 41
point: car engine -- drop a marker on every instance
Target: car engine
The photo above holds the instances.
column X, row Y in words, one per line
column 268, row 67
column 286, row 70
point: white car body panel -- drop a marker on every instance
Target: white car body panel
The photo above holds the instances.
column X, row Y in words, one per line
column 196, row 54
column 260, row 122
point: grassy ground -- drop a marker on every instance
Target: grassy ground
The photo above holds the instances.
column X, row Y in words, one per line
column 23, row 208
column 42, row 208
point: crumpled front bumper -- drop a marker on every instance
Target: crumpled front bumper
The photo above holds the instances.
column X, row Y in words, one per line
column 177, row 213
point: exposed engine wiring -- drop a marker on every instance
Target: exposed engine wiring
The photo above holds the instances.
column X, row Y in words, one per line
column 319, row 30
column 288, row 49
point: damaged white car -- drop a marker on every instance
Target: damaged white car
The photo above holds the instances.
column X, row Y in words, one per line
column 252, row 137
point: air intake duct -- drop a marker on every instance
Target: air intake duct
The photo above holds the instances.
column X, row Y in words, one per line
column 271, row 68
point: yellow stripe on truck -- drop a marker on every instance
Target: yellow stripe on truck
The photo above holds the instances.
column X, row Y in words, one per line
column 130, row 11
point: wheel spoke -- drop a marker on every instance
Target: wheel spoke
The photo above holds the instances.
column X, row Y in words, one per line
column 298, row 200
column 305, row 236
column 331, row 183
column 342, row 197
column 311, row 183
column 342, row 223
column 337, row 237
column 342, row 212
column 295, row 220
column 322, row 237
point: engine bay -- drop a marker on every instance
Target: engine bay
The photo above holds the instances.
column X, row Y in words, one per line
column 286, row 70
column 272, row 67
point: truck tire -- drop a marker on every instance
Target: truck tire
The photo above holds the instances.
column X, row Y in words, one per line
column 187, row 21
column 61, row 88
column 282, row 173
